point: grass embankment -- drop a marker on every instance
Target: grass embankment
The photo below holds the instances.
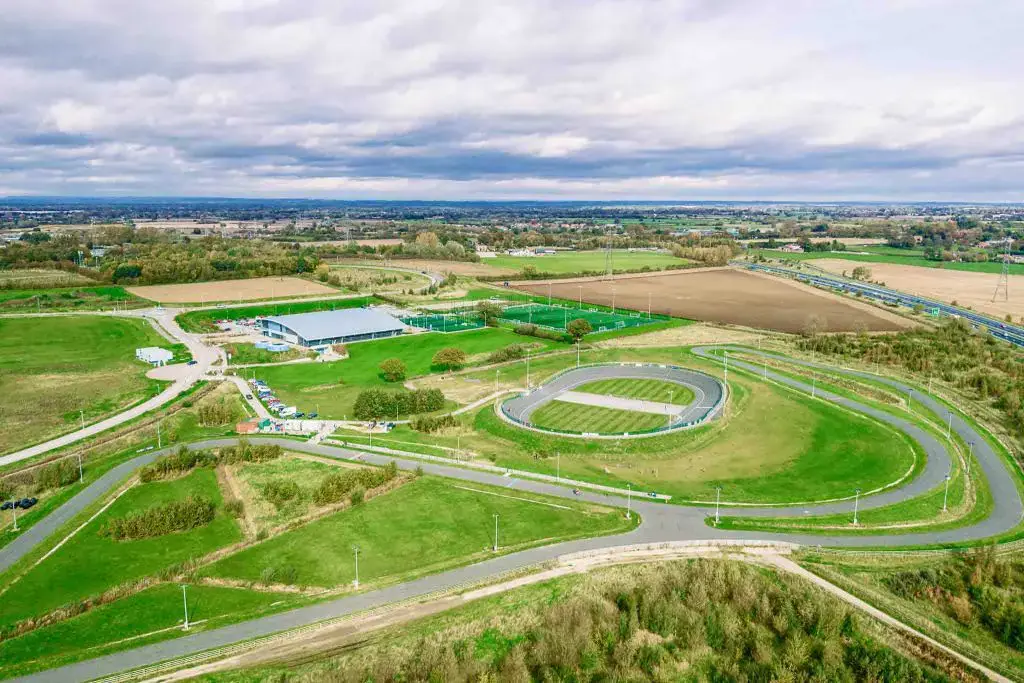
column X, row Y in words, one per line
column 775, row 445
column 923, row 512
column 204, row 411
column 91, row 563
column 334, row 386
column 698, row 620
column 248, row 354
column 425, row 526
column 972, row 601
column 51, row 368
column 206, row 320
column 98, row 298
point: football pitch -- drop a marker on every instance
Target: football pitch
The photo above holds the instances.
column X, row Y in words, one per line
column 450, row 322
column 557, row 317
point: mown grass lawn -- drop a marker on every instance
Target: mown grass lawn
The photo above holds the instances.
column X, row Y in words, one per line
column 579, row 261
column 154, row 614
column 50, row 368
column 576, row 417
column 89, row 563
column 424, row 526
column 641, row 389
column 334, row 386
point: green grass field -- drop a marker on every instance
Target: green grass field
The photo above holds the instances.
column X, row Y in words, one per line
column 305, row 473
column 152, row 615
column 50, row 368
column 89, row 564
column 334, row 386
column 245, row 354
column 642, row 389
column 67, row 299
column 583, row 419
column 454, row 322
column 206, row 319
column 558, row 317
column 903, row 257
column 425, row 526
column 581, row 261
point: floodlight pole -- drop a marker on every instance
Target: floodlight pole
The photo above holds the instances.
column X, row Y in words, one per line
column 495, row 532
column 577, row 353
column 581, row 296
column 81, row 414
column 856, row 505
column 81, row 475
column 970, row 455
column 496, row 373
column 910, row 396
column 629, row 500
column 527, row 369
column 549, row 294
column 949, row 426
column 159, row 439
column 613, row 301
column 184, row 598
column 14, row 512
column 355, row 549
column 648, row 305
column 726, row 365
column 718, row 503
column 765, row 368
column 558, row 466
column 814, row 385
column 945, row 494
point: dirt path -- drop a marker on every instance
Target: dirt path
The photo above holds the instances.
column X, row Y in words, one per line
column 229, row 483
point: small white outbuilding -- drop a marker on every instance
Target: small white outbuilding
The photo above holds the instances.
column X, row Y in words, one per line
column 154, row 355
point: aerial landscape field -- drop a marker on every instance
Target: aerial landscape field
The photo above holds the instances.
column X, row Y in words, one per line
column 600, row 342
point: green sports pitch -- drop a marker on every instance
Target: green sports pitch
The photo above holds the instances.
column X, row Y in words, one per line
column 446, row 322
column 557, row 317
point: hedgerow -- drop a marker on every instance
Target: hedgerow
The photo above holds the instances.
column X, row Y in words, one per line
column 179, row 515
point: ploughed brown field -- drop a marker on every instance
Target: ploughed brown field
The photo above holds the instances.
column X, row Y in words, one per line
column 728, row 296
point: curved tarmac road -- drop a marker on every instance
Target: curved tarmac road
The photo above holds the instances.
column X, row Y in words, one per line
column 660, row 523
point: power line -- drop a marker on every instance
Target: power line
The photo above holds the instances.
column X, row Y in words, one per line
column 1004, row 274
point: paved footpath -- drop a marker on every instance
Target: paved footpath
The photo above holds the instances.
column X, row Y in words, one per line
column 661, row 523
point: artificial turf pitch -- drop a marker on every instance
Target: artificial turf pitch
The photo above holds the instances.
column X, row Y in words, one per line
column 558, row 317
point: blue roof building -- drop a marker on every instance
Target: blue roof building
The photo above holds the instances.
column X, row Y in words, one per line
column 324, row 328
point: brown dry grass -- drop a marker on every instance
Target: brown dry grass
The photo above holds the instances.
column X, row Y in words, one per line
column 691, row 335
column 231, row 290
column 966, row 288
column 730, row 296
column 457, row 267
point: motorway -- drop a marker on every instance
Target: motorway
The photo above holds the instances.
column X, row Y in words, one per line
column 660, row 523
column 999, row 329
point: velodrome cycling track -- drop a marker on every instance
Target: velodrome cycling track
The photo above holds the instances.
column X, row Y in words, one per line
column 660, row 523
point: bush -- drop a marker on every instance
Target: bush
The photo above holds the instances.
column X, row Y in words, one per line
column 531, row 330
column 286, row 574
column 449, row 358
column 379, row 404
column 181, row 461
column 280, row 491
column 247, row 452
column 510, row 352
column 335, row 487
column 393, row 370
column 429, row 425
column 180, row 515
column 357, row 496
column 234, row 508
column 578, row 329
column 58, row 474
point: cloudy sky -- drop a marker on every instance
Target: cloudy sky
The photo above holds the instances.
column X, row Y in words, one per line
column 688, row 99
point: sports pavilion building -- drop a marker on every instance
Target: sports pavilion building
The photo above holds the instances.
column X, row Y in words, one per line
column 324, row 328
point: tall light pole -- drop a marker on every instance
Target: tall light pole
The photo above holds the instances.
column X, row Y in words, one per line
column 81, row 414
column 726, row 365
column 970, row 455
column 910, row 396
column 814, row 385
column 14, row 512
column 581, row 296
column 496, row 373
column 718, row 503
column 577, row 353
column 355, row 549
column 613, row 301
column 549, row 294
column 558, row 466
column 648, row 305
column 527, row 369
column 159, row 438
column 949, row 426
column 945, row 494
column 495, row 532
column 81, row 475
column 629, row 500
column 856, row 505
column 184, row 599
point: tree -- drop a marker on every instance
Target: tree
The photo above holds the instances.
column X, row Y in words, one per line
column 450, row 358
column 490, row 312
column 861, row 273
column 578, row 329
column 393, row 369
column 814, row 325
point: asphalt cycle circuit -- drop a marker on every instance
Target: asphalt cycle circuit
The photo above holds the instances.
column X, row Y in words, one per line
column 660, row 522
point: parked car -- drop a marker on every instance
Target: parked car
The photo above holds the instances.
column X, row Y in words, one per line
column 248, row 397
column 299, row 414
column 192, row 362
column 7, row 505
column 311, row 415
column 26, row 503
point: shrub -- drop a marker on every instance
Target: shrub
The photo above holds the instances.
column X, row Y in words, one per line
column 247, row 452
column 234, row 508
column 335, row 487
column 510, row 352
column 357, row 496
column 377, row 404
column 393, row 370
column 181, row 461
column 531, row 330
column 429, row 425
column 280, row 491
column 179, row 515
column 57, row 474
column 449, row 358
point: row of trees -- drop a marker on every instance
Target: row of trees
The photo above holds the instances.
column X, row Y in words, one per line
column 381, row 404
column 178, row 515
column 185, row 460
column 337, row 486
